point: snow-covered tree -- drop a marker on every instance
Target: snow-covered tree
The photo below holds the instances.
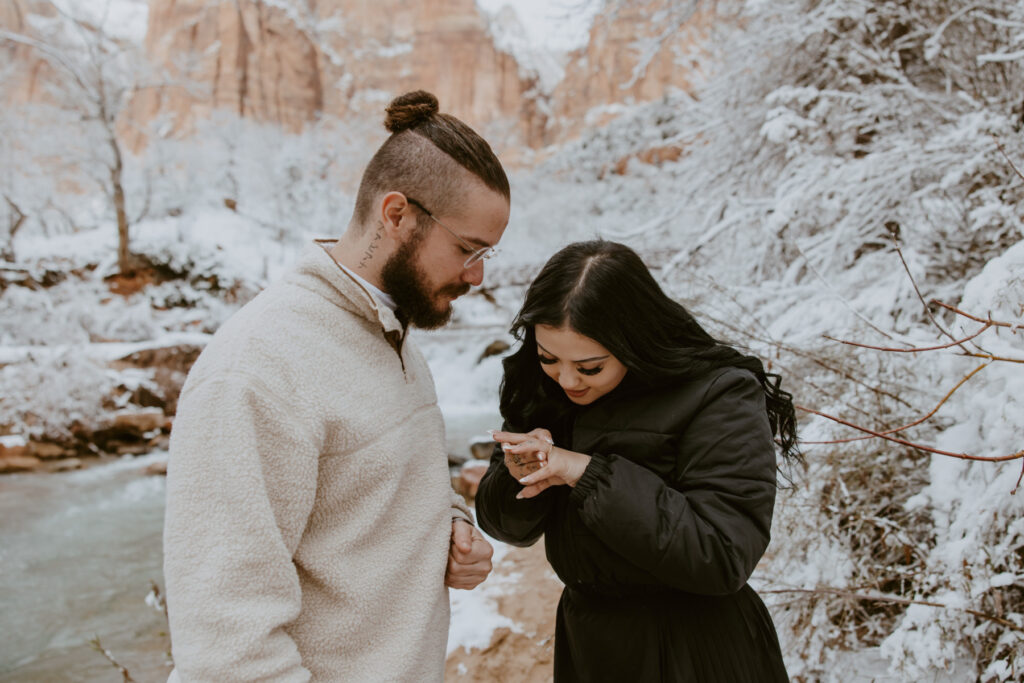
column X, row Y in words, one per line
column 74, row 127
column 831, row 142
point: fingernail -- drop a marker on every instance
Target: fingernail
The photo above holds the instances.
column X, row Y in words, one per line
column 519, row 496
column 523, row 480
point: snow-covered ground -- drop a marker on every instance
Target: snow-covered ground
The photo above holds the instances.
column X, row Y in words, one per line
column 864, row 137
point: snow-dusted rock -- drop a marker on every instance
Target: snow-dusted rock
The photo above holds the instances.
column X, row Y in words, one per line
column 19, row 463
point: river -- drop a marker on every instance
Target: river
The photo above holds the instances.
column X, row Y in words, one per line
column 79, row 552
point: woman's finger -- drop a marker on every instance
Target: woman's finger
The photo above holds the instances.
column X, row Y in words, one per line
column 521, row 464
column 542, row 434
column 531, row 446
column 510, row 437
column 533, row 490
column 545, row 472
column 521, row 459
column 520, row 471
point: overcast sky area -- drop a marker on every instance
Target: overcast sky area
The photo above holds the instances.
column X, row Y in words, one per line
column 556, row 24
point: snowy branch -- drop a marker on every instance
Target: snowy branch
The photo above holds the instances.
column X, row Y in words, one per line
column 98, row 646
column 916, row 422
column 877, row 597
column 994, row 57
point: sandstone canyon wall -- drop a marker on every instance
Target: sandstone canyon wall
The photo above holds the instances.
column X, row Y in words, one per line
column 270, row 62
column 289, row 62
column 634, row 54
column 25, row 73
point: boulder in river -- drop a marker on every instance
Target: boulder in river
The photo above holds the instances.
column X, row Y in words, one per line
column 493, row 349
column 469, row 478
column 19, row 463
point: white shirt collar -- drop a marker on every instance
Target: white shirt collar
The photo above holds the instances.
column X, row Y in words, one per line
column 381, row 295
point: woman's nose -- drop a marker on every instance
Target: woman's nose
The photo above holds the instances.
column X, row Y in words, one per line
column 567, row 380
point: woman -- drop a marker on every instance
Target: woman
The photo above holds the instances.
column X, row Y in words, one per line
column 643, row 450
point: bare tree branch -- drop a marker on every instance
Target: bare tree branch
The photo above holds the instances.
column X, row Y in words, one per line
column 913, row 282
column 98, row 646
column 988, row 321
column 911, row 444
column 934, row 410
column 829, row 590
column 1007, row 157
column 916, row 349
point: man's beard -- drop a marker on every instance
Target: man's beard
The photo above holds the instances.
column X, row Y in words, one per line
column 405, row 281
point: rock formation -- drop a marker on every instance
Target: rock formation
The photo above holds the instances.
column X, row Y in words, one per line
column 633, row 55
column 291, row 62
column 25, row 81
column 272, row 62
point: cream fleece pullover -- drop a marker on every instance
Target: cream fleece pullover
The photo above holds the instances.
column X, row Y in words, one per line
column 309, row 504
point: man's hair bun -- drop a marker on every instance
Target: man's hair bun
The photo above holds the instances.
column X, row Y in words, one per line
column 410, row 110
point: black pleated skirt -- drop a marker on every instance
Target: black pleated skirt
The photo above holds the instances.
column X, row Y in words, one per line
column 678, row 637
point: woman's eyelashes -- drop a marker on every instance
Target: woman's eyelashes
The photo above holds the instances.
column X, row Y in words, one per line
column 546, row 360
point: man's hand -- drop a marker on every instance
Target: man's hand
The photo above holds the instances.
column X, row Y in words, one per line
column 469, row 556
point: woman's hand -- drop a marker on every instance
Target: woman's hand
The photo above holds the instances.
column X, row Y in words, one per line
column 524, row 453
column 548, row 465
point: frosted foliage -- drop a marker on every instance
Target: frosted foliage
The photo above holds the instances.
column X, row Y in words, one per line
column 291, row 184
column 862, row 127
column 770, row 201
column 48, row 395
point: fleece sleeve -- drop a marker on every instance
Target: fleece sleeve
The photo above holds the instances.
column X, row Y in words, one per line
column 241, row 482
column 459, row 508
column 706, row 531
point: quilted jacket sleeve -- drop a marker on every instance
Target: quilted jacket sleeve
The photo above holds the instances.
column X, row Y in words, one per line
column 704, row 532
column 500, row 514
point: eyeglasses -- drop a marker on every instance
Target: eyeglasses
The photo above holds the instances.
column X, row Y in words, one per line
column 477, row 253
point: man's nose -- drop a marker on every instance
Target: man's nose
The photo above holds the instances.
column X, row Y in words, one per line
column 474, row 275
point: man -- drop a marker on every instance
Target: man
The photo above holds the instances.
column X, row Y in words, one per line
column 311, row 528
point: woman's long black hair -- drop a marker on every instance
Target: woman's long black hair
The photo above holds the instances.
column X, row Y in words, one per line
column 604, row 291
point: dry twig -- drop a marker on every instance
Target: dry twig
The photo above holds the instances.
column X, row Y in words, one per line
column 916, row 422
column 1007, row 157
column 910, row 444
column 98, row 646
column 829, row 590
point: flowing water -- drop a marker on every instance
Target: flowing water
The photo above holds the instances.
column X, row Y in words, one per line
column 78, row 553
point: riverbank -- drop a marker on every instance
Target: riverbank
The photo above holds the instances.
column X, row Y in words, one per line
column 523, row 652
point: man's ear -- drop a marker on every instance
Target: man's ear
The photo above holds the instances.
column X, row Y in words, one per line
column 397, row 217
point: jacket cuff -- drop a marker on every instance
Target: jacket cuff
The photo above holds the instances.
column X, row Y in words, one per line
column 599, row 469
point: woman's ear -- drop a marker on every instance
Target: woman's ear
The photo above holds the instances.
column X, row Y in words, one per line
column 397, row 217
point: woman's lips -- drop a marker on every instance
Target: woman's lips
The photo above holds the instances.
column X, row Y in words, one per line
column 576, row 394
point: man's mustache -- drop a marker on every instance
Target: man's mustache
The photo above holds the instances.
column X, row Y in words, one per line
column 455, row 290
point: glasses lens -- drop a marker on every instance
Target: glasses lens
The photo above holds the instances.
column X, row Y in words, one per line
column 481, row 255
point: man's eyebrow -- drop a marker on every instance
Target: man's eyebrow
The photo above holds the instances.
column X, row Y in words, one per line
column 478, row 241
column 585, row 360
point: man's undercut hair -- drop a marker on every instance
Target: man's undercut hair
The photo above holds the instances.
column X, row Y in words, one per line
column 426, row 158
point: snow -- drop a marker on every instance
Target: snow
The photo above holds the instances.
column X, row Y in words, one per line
column 123, row 19
column 475, row 613
column 558, row 25
column 778, row 224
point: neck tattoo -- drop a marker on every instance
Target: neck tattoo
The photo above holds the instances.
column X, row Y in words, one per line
column 368, row 254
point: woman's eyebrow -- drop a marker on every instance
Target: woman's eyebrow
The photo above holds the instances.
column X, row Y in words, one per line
column 585, row 360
